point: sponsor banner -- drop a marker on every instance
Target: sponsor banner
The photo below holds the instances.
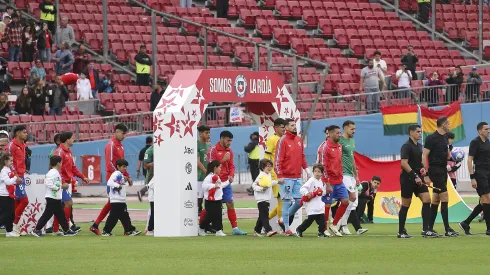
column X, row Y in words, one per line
column 35, row 190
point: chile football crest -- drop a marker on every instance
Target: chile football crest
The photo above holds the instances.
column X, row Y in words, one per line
column 240, row 86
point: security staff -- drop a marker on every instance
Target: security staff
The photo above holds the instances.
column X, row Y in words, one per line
column 436, row 151
column 143, row 65
column 411, row 182
column 424, row 9
column 479, row 156
column 48, row 14
column 253, row 157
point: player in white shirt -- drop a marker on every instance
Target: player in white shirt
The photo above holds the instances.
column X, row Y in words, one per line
column 312, row 192
column 262, row 187
column 213, row 196
column 117, row 197
column 7, row 190
column 54, row 206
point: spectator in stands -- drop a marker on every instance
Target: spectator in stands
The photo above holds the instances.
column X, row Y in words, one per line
column 186, row 3
column 143, row 65
column 431, row 96
column 82, row 59
column 84, row 90
column 410, row 59
column 222, row 8
column 65, row 33
column 473, row 83
column 57, row 95
column 380, row 63
column 23, row 103
column 44, row 41
column 48, row 14
column 424, row 10
column 455, row 79
column 9, row 11
column 93, row 76
column 13, row 36
column 28, row 39
column 3, row 25
column 4, row 108
column 404, row 76
column 155, row 97
column 106, row 84
column 22, row 19
column 37, row 72
column 38, row 96
column 370, row 77
column 64, row 59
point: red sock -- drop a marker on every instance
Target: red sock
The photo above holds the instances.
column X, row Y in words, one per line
column 67, row 215
column 19, row 209
column 103, row 213
column 232, row 217
column 327, row 214
column 56, row 225
column 340, row 212
column 203, row 215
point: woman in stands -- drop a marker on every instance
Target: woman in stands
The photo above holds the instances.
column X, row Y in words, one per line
column 28, row 39
column 23, row 103
column 4, row 108
column 38, row 96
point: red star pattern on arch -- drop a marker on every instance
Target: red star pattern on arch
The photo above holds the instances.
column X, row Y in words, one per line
column 199, row 99
column 188, row 124
column 173, row 125
column 158, row 139
column 166, row 104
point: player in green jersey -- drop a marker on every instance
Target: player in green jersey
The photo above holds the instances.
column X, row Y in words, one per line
column 203, row 145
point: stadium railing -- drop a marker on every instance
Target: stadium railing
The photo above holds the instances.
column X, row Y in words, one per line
column 356, row 103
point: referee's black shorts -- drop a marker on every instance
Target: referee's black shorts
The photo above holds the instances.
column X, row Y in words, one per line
column 482, row 178
column 408, row 187
column 438, row 176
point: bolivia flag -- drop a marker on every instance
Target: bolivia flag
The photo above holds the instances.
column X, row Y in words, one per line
column 396, row 119
column 453, row 112
column 388, row 199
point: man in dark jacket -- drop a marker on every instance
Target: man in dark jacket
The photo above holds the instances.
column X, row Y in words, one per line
column 58, row 95
column 410, row 59
column 366, row 197
column 82, row 59
column 143, row 65
column 253, row 157
column 473, row 83
column 155, row 97
column 456, row 79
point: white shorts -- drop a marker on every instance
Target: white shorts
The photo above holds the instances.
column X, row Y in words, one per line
column 151, row 191
column 200, row 193
column 350, row 184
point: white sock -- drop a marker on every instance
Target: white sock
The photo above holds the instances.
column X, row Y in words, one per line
column 345, row 217
column 148, row 218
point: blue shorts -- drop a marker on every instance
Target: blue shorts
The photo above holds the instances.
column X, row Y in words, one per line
column 339, row 192
column 65, row 196
column 227, row 194
column 290, row 189
column 20, row 190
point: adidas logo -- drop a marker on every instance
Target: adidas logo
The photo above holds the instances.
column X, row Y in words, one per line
column 189, row 186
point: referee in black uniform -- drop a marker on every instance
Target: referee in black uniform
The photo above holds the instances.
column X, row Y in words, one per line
column 411, row 182
column 479, row 156
column 436, row 151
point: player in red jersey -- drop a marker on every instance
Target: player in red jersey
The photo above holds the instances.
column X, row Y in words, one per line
column 114, row 150
column 68, row 173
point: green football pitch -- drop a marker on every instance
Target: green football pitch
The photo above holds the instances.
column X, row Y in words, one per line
column 376, row 252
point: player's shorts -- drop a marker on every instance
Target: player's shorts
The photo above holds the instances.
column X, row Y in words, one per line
column 482, row 182
column 290, row 189
column 409, row 188
column 338, row 192
column 227, row 194
column 350, row 184
column 20, row 190
column 200, row 193
column 65, row 196
column 438, row 176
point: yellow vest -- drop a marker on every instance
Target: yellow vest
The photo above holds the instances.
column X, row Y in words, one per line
column 254, row 154
column 142, row 69
column 47, row 16
column 423, row 1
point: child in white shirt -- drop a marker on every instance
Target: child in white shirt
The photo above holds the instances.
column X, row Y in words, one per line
column 7, row 195
column 262, row 187
column 54, row 206
column 314, row 189
column 213, row 195
column 117, row 198
column 84, row 89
